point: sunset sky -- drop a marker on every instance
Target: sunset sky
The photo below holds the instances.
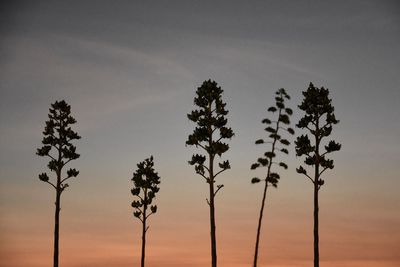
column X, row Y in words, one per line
column 129, row 70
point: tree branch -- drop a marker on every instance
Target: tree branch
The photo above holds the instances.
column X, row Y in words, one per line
column 205, row 167
column 66, row 178
column 220, row 172
column 151, row 213
column 140, row 198
column 203, row 176
column 308, row 128
column 322, row 171
column 51, row 184
column 309, row 178
column 323, row 154
column 218, row 188
column 63, row 187
column 200, row 145
column 213, row 130
column 139, row 209
column 308, row 153
column 65, row 163
column 50, row 156
column 56, row 147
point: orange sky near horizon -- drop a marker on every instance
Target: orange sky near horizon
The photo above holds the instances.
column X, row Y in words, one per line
column 98, row 235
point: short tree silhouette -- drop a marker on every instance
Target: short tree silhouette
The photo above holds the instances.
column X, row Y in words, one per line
column 145, row 187
column 318, row 121
column 58, row 148
column 208, row 135
column 277, row 144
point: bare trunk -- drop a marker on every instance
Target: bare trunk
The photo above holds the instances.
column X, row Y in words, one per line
column 144, row 229
column 259, row 224
column 264, row 196
column 316, row 235
column 56, row 228
column 143, row 243
column 316, row 205
column 212, row 217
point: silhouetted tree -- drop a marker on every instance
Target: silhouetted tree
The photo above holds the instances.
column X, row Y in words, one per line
column 317, row 121
column 208, row 135
column 145, row 186
column 277, row 144
column 58, row 148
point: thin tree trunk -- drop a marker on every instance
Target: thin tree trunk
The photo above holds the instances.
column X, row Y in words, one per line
column 57, row 214
column 316, row 235
column 316, row 205
column 264, row 195
column 143, row 242
column 259, row 224
column 212, row 195
column 212, row 217
column 56, row 228
column 58, row 196
column 144, row 229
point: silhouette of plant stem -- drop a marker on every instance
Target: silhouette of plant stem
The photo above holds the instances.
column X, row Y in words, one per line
column 272, row 178
column 316, row 104
column 57, row 137
column 210, row 118
column 146, row 182
column 144, row 226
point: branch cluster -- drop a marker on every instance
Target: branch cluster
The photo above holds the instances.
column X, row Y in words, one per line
column 57, row 138
column 278, row 143
column 318, row 120
column 145, row 187
column 210, row 129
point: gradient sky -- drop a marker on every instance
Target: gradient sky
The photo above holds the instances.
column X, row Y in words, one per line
column 130, row 69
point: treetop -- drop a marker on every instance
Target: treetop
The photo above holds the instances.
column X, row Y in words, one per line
column 316, row 102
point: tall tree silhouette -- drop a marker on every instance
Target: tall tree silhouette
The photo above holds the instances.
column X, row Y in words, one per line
column 317, row 121
column 208, row 135
column 145, row 187
column 277, row 144
column 58, row 148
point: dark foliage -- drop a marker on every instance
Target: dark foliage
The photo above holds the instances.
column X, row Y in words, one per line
column 274, row 138
column 318, row 120
column 211, row 129
column 145, row 187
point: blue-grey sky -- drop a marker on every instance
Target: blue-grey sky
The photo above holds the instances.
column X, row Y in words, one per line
column 130, row 69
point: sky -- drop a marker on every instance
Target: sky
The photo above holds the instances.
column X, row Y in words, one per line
column 129, row 70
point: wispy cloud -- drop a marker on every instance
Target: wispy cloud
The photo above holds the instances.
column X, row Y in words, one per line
column 99, row 79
